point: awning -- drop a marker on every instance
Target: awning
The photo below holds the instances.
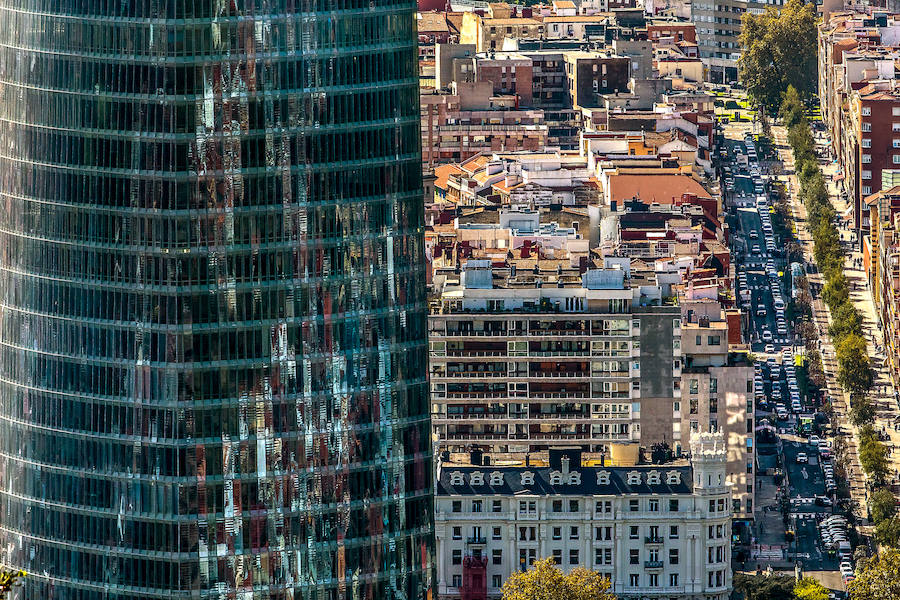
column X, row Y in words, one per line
column 838, row 177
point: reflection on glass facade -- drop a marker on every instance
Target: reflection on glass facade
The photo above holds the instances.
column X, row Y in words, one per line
column 212, row 321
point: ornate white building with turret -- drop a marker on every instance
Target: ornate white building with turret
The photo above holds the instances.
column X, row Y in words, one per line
column 660, row 531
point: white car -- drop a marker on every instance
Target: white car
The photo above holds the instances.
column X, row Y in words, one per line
column 802, row 458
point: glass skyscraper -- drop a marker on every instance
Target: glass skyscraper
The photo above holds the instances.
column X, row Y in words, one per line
column 212, row 311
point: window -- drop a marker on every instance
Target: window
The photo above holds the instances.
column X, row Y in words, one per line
column 699, row 340
column 497, row 581
column 573, row 533
column 604, row 506
column 557, row 533
column 476, row 506
column 867, row 189
column 497, row 556
column 456, row 478
column 497, row 506
column 712, row 506
column 714, row 383
column 557, row 506
column 603, row 478
column 634, row 478
column 895, row 110
column 457, row 557
column 653, row 505
column 866, row 126
column 457, row 533
column 557, row 556
column 653, row 479
column 634, row 579
column 865, row 175
column 713, row 408
column 527, row 506
column 573, row 505
column 896, row 143
column 673, row 504
column 495, row 534
column 604, row 533
column 633, row 505
column 673, row 556
column 673, row 532
column 573, row 557
column 866, row 158
column 527, row 556
column 694, row 406
column 895, row 127
column 634, row 557
column 456, row 580
column 694, row 386
column 653, row 579
column 527, row 478
column 896, row 159
column 633, row 532
column 457, row 506
column 673, row 579
column 476, row 478
column 866, row 111
column 713, row 340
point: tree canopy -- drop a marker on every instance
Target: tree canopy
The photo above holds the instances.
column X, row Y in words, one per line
column 854, row 368
column 544, row 581
column 878, row 579
column 778, row 50
column 764, row 587
column 810, row 589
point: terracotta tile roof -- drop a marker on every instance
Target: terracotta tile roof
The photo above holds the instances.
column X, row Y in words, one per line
column 512, row 21
column 454, row 21
column 564, row 4
column 442, row 173
column 654, row 188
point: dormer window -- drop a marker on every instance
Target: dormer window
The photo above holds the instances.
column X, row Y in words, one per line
column 476, row 478
column 575, row 478
column 496, row 478
column 456, row 478
column 634, row 478
column 653, row 478
column 556, row 478
column 527, row 478
column 673, row 478
column 603, row 478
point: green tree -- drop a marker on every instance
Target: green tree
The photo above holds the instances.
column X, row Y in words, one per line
column 862, row 411
column 835, row 291
column 845, row 319
column 882, row 505
column 792, row 109
column 9, row 580
column 810, row 589
column 873, row 456
column 544, row 581
column 887, row 532
column 854, row 369
column 878, row 579
column 778, row 49
column 764, row 587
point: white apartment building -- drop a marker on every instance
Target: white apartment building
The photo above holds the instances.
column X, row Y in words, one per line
column 521, row 361
column 655, row 531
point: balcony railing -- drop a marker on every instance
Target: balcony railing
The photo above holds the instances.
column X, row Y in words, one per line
column 653, row 564
column 651, row 539
column 476, row 540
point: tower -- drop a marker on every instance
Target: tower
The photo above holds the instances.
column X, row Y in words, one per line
column 212, row 309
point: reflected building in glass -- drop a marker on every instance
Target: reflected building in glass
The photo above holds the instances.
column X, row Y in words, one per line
column 212, row 305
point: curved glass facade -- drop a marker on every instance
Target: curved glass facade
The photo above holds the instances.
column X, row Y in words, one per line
column 212, row 312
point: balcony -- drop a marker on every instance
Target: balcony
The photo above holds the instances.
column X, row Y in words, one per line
column 651, row 539
column 653, row 564
column 560, row 374
column 477, row 436
column 476, row 540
